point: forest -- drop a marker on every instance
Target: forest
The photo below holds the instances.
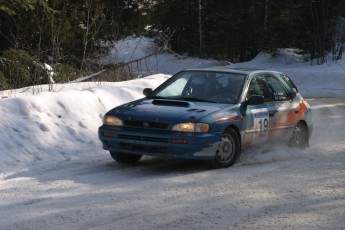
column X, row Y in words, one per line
column 71, row 36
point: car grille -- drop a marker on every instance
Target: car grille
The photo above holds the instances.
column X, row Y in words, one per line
column 146, row 124
column 143, row 138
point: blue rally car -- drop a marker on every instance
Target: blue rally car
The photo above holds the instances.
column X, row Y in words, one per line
column 209, row 114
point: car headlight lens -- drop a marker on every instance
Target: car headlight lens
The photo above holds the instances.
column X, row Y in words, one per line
column 191, row 127
column 112, row 120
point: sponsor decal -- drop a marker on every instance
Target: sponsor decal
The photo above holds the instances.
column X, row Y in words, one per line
column 260, row 114
column 279, row 96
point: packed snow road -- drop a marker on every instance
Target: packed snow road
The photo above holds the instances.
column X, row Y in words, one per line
column 280, row 189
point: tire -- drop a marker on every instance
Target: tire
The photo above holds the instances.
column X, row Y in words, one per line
column 228, row 150
column 125, row 158
column 300, row 136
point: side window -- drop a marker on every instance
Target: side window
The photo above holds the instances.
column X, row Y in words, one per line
column 279, row 91
column 258, row 86
column 289, row 82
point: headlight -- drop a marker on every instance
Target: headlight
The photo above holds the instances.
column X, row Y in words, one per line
column 191, row 127
column 113, row 121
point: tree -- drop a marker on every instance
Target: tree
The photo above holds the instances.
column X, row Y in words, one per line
column 15, row 6
column 67, row 34
column 179, row 18
column 237, row 30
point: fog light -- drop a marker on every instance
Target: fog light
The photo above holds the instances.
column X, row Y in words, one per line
column 107, row 134
column 179, row 141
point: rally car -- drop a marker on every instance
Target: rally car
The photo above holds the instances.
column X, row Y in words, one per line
column 211, row 114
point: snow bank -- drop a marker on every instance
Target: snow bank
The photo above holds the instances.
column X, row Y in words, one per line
column 61, row 125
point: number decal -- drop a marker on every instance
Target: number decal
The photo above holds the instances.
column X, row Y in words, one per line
column 261, row 124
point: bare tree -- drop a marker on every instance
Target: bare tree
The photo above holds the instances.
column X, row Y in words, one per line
column 200, row 29
column 91, row 27
column 338, row 40
column 266, row 17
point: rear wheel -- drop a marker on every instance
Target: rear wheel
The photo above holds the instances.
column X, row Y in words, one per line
column 300, row 136
column 228, row 150
column 125, row 158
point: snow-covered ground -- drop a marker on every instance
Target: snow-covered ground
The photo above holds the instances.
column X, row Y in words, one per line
column 54, row 174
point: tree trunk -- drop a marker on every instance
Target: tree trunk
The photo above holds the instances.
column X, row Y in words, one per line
column 200, row 29
column 266, row 18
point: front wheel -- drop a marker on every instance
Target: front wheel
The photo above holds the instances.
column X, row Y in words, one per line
column 125, row 158
column 300, row 136
column 228, row 150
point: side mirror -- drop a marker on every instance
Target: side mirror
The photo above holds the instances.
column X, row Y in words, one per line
column 255, row 100
column 147, row 91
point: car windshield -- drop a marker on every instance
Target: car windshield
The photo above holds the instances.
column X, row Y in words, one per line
column 203, row 86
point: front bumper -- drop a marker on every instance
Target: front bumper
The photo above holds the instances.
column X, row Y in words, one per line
column 159, row 143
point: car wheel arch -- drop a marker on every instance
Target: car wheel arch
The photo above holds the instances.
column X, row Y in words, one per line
column 228, row 149
column 234, row 127
column 305, row 143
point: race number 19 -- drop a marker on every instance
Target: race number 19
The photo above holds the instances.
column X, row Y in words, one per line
column 263, row 123
column 261, row 120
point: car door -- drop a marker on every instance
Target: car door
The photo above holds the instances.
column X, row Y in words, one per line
column 258, row 119
column 281, row 126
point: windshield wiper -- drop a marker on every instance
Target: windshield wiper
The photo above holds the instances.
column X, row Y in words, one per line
column 194, row 99
column 157, row 97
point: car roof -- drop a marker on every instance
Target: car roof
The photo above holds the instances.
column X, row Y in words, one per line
column 231, row 70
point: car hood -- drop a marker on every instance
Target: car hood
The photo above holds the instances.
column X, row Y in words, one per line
column 169, row 111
